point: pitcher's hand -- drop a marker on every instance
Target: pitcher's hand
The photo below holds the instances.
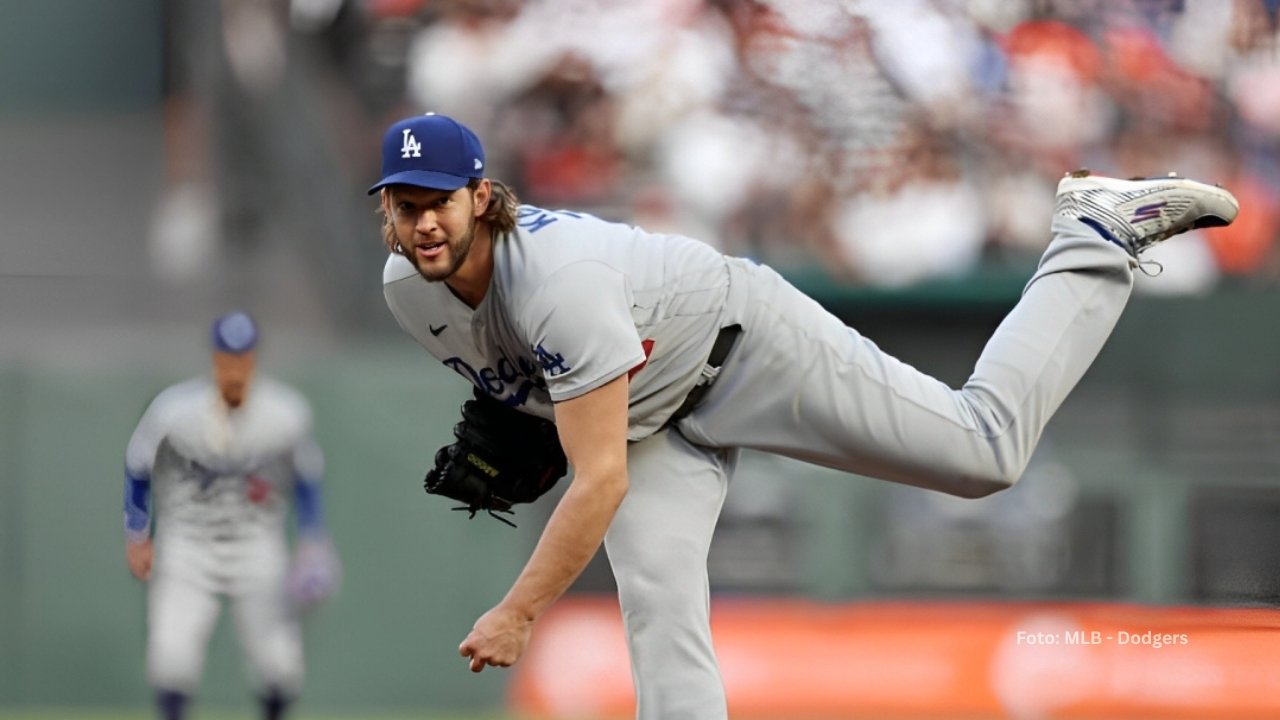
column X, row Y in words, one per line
column 499, row 639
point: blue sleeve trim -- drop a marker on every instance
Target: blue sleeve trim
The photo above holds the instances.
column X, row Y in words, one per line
column 137, row 502
column 310, row 509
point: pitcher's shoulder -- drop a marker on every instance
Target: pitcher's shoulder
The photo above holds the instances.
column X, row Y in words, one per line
column 397, row 268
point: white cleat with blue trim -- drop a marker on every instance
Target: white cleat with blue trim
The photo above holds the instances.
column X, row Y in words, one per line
column 1136, row 214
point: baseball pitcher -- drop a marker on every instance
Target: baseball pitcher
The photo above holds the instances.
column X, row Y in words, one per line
column 224, row 457
column 657, row 358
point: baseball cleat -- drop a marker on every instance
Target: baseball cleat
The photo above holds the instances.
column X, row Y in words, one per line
column 1136, row 214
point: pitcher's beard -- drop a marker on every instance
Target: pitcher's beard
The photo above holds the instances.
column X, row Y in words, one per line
column 458, row 251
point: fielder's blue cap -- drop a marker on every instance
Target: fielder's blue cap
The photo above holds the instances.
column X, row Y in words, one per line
column 430, row 151
column 234, row 333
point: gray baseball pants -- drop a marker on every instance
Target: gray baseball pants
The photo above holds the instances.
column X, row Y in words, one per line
column 802, row 384
column 188, row 588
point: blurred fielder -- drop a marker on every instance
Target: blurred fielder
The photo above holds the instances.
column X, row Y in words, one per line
column 657, row 358
column 224, row 456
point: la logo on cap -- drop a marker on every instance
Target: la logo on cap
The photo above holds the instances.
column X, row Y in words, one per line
column 411, row 146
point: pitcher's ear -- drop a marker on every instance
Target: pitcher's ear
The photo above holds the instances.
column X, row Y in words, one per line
column 481, row 197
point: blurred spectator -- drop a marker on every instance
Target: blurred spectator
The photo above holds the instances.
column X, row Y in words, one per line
column 1059, row 106
column 786, row 130
column 260, row 112
column 932, row 53
column 467, row 60
column 924, row 218
column 1248, row 246
column 565, row 123
column 1150, row 87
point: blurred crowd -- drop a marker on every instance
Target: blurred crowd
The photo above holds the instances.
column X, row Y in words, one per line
column 888, row 143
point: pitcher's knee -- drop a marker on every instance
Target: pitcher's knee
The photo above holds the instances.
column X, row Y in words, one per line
column 978, row 488
column 663, row 607
column 988, row 481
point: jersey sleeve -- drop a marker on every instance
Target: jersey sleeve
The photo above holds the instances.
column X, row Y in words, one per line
column 580, row 329
column 156, row 423
column 293, row 415
column 308, row 462
column 398, row 271
column 308, row 465
column 140, row 455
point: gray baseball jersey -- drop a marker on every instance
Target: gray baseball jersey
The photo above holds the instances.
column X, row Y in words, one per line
column 222, row 481
column 575, row 301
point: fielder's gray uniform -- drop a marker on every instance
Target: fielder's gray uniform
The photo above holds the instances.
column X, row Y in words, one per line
column 222, row 482
column 575, row 301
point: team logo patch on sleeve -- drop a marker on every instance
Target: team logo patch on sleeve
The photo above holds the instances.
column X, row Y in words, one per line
column 552, row 363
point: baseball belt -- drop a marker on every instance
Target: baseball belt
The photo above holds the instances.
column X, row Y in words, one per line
column 720, row 349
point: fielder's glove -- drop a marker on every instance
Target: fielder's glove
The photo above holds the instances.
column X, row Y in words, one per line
column 502, row 457
column 315, row 573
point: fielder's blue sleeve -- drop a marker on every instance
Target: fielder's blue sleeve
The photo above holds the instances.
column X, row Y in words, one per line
column 308, row 464
column 140, row 456
column 137, row 506
column 309, row 506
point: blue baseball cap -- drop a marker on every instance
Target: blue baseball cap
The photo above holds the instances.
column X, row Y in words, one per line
column 430, row 151
column 234, row 333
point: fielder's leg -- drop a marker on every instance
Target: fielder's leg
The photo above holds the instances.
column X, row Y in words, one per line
column 180, row 618
column 657, row 546
column 271, row 639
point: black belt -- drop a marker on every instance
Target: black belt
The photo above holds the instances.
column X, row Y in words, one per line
column 719, row 353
